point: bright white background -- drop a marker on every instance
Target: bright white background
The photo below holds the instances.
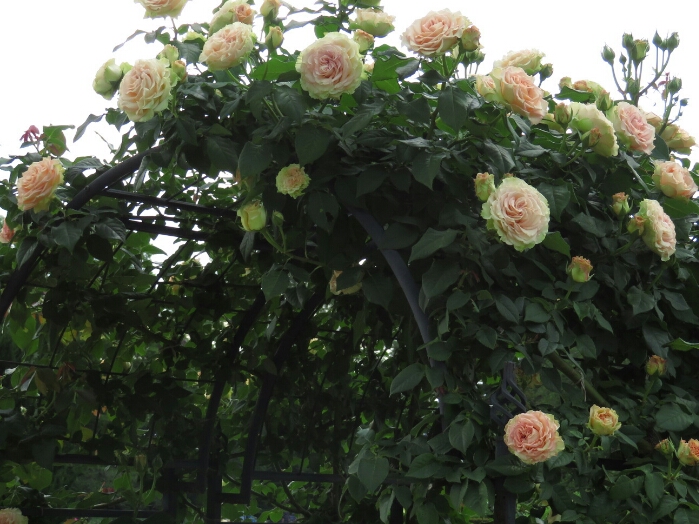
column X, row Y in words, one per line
column 53, row 49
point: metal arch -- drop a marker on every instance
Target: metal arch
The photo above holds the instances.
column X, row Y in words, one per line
column 109, row 177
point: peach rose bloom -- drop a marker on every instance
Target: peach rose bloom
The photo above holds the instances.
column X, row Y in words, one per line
column 674, row 180
column 677, row 139
column 656, row 228
column 518, row 213
column 6, row 233
column 529, row 60
column 12, row 516
column 688, row 452
column 632, row 128
column 37, row 185
column 603, row 421
column 232, row 11
column 162, row 8
column 292, row 180
column 517, row 89
column 330, row 67
column 533, row 437
column 436, row 33
column 228, row 47
column 373, row 21
column 145, row 90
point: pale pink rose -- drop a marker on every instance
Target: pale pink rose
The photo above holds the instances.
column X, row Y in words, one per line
column 533, row 437
column 6, row 233
column 518, row 213
column 656, row 228
column 162, row 8
column 674, row 180
column 12, row 516
column 529, row 60
column 228, row 47
column 37, row 185
column 632, row 128
column 145, row 90
column 330, row 67
column 517, row 89
column 232, row 11
column 436, row 33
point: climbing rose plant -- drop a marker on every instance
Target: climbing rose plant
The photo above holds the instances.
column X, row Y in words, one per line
column 556, row 230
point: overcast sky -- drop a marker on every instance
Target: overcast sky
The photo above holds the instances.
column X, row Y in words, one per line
column 53, row 49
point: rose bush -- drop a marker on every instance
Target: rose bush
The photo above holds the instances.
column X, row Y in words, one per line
column 365, row 328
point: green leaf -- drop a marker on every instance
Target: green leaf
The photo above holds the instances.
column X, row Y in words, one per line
column 590, row 225
column 686, row 516
column 655, row 487
column 667, row 505
column 427, row 514
column 26, row 250
column 273, row 68
column 424, row 466
column 418, row 110
column 356, row 488
column 311, row 143
column 370, row 179
column 499, row 159
column 557, row 196
column 221, row 153
column 426, row 166
column 320, row 205
column 625, row 487
column 555, row 242
column 575, row 96
column 398, row 236
column 507, row 308
column 432, row 241
column 441, row 275
column 111, row 229
column 656, row 339
column 393, row 68
column 66, row 235
column 372, row 471
column 454, row 106
column 508, row 465
column 535, row 312
column 520, row 484
column 378, row 290
column 274, row 283
column 461, row 435
column 671, row 417
column 676, row 300
column 487, row 336
column 80, row 131
column 186, row 130
column 639, row 300
column 680, row 345
column 407, row 379
column 679, row 208
column 254, row 159
column 290, row 102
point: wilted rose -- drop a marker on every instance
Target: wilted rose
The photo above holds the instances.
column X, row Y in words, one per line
column 533, row 437
column 674, row 180
column 436, row 33
column 330, row 67
column 656, row 365
column 162, row 8
column 529, row 60
column 631, row 127
column 145, row 90
column 665, row 447
column 37, row 185
column 228, row 47
column 292, row 180
column 603, row 421
column 518, row 213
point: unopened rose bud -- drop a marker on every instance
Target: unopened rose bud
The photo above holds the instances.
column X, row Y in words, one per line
column 275, row 37
column 546, row 72
column 672, row 42
column 639, row 51
column 608, row 54
column 180, row 70
column 627, row 41
column 658, row 42
column 471, row 38
column 485, row 185
column 592, row 137
column 622, row 60
column 665, row 447
column 566, row 81
column 688, row 452
column 277, row 219
column 364, row 39
column 193, row 35
column 633, row 86
column 621, row 204
column 563, row 115
column 656, row 366
column 604, row 101
column 106, row 82
column 368, row 68
column 579, row 269
column 674, row 85
column 140, row 462
column 270, row 8
column 169, row 53
column 253, row 216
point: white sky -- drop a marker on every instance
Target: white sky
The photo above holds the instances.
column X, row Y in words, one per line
column 58, row 46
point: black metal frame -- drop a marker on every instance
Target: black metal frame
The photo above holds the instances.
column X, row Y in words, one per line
column 207, row 466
